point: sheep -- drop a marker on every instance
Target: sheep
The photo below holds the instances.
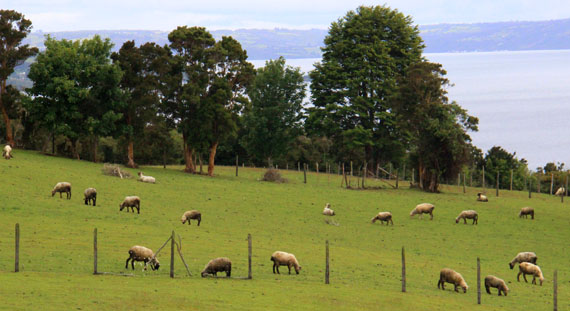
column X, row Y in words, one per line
column 493, row 281
column 560, row 192
column 132, row 201
column 528, row 268
column 62, row 187
column 284, row 259
column 141, row 253
column 523, row 257
column 148, row 179
column 7, row 152
column 424, row 208
column 450, row 276
column 90, row 196
column 481, row 197
column 221, row 264
column 470, row 214
column 383, row 217
column 193, row 214
column 328, row 211
column 525, row 211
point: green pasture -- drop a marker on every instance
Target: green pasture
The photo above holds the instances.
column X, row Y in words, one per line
column 57, row 242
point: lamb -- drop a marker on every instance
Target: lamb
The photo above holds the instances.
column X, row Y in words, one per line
column 221, row 264
column 424, row 208
column 193, row 214
column 523, row 257
column 383, row 217
column 560, row 192
column 90, row 196
column 481, row 197
column 493, row 281
column 148, row 179
column 328, row 211
column 525, row 211
column 141, row 253
column 62, row 187
column 132, row 201
column 528, row 268
column 450, row 276
column 7, row 152
column 284, row 259
column 470, row 214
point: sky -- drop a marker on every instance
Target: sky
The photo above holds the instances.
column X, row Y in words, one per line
column 165, row 15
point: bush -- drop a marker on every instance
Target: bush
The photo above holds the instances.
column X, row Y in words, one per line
column 115, row 170
column 273, row 175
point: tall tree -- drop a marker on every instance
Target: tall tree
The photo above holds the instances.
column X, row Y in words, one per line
column 364, row 54
column 13, row 29
column 273, row 120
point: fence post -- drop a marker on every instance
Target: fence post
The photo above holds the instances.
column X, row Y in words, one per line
column 237, row 165
column 95, row 251
column 551, row 182
column 298, row 166
column 483, row 178
column 470, row 179
column 478, row 281
column 17, row 249
column 172, row 239
column 511, row 188
column 413, row 175
column 317, row 168
column 565, row 189
column 497, row 183
column 403, row 270
column 463, row 182
column 555, row 294
column 249, row 276
column 397, row 177
column 364, row 172
column 458, row 179
column 404, row 172
column 304, row 173
column 327, row 271
column 351, row 168
column 538, row 183
column 529, row 187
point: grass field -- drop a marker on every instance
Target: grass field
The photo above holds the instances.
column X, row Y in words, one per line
column 57, row 242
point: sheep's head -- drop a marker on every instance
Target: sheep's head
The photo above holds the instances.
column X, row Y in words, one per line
column 183, row 219
column 465, row 287
column 53, row 192
column 297, row 269
column 511, row 265
column 328, row 205
column 154, row 264
column 121, row 207
column 505, row 288
column 457, row 220
column 413, row 212
column 204, row 273
column 139, row 173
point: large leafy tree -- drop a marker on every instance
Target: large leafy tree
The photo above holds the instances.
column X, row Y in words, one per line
column 499, row 160
column 13, row 29
column 76, row 90
column 273, row 120
column 364, row 54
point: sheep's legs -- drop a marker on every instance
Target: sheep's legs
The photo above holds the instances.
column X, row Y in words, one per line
column 487, row 289
column 127, row 263
column 534, row 280
column 289, row 266
column 431, row 218
column 199, row 220
column 133, row 264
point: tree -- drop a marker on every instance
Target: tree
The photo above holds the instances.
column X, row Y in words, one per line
column 499, row 160
column 13, row 29
column 364, row 54
column 272, row 122
column 76, row 90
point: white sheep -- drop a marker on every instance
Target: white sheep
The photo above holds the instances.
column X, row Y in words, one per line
column 450, row 276
column 193, row 214
column 148, row 179
column 469, row 214
column 528, row 268
column 7, row 152
column 284, row 259
column 62, row 187
column 523, row 257
column 560, row 192
column 383, row 217
column 141, row 253
column 328, row 211
column 423, row 208
column 481, row 197
column 90, row 195
column 525, row 211
column 132, row 202
column 493, row 281
column 221, row 264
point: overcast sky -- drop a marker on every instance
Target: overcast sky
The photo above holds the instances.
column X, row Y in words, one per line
column 61, row 15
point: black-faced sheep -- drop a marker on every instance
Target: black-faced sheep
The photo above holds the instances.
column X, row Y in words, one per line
column 62, row 187
column 528, row 268
column 132, row 202
column 523, row 257
column 450, row 276
column 328, row 211
column 525, row 211
column 560, row 192
column 424, row 208
column 141, row 253
column 470, row 214
column 221, row 264
column 148, row 179
column 90, row 196
column 495, row 282
column 481, row 197
column 7, row 152
column 383, row 217
column 284, row 259
column 193, row 214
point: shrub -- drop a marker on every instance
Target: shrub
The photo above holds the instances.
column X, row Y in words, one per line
column 115, row 170
column 273, row 175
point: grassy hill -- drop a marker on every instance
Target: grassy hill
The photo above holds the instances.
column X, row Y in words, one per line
column 57, row 234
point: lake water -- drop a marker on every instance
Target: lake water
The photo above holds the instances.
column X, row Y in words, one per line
column 522, row 99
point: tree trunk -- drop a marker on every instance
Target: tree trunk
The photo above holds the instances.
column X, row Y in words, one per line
column 200, row 160
column 131, row 154
column 190, row 168
column 213, row 148
column 95, row 145
column 74, row 149
column 9, row 136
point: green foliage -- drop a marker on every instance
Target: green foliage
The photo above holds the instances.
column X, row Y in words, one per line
column 499, row 160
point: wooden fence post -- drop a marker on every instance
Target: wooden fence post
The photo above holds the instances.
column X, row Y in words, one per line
column 298, row 166
column 470, row 179
column 304, row 173
column 551, row 182
column 249, row 276
column 351, row 168
column 237, row 165
column 511, row 187
column 397, row 177
column 95, row 251
column 390, row 172
column 478, row 281
column 483, row 178
column 458, row 179
column 529, row 187
column 565, row 189
column 404, row 172
column 364, row 172
column 327, row 270
column 555, row 294
column 464, row 183
column 403, row 270
column 17, row 249
column 317, row 166
column 413, row 175
column 497, row 183
column 538, row 183
column 172, row 255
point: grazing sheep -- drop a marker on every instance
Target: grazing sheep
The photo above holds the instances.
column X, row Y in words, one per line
column 481, row 197
column 7, row 152
column 470, row 214
column 383, row 217
column 450, row 276
column 284, row 259
column 424, row 208
column 221, row 264
column 328, row 211
column 523, row 257
column 525, row 211
column 141, row 253
column 148, row 179
column 528, row 268
column 62, row 187
column 560, row 192
column 493, row 281
column 193, row 214
column 90, row 196
column 132, row 202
